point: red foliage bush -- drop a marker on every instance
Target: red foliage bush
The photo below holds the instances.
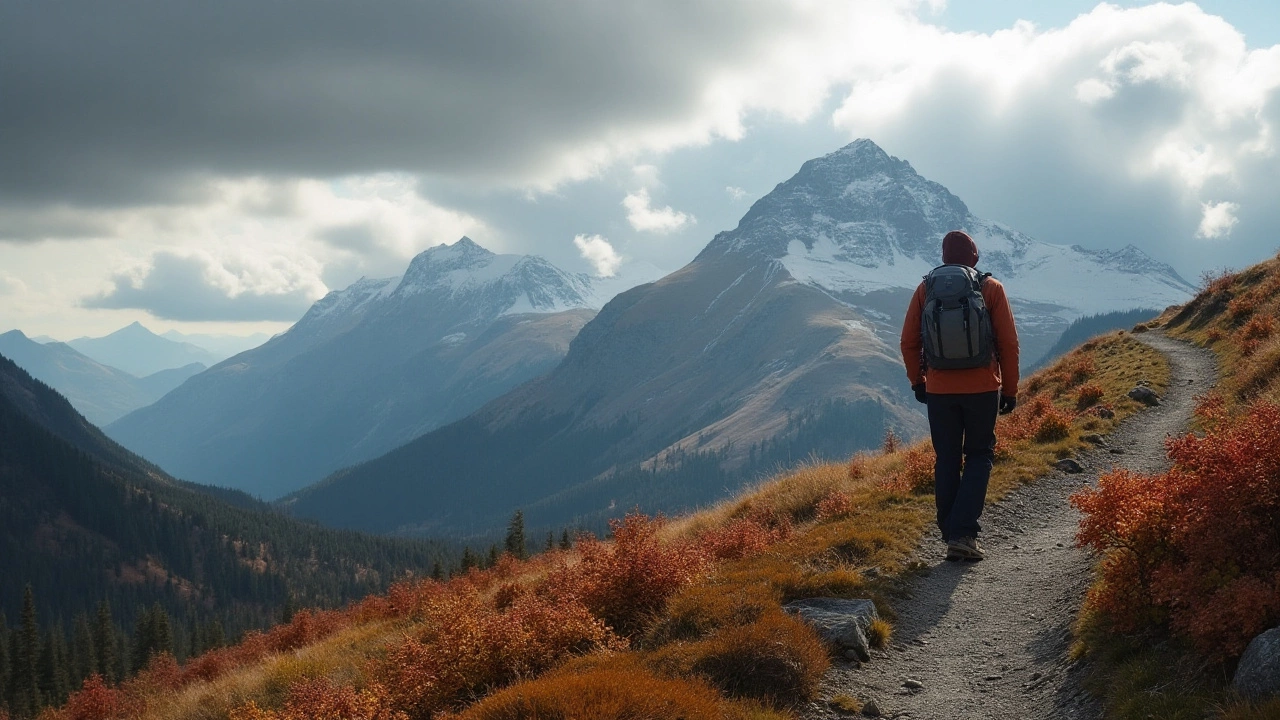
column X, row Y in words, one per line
column 471, row 648
column 745, row 536
column 857, row 466
column 1088, row 395
column 1243, row 306
column 1080, row 368
column 96, row 701
column 891, row 442
column 834, row 504
column 916, row 472
column 1198, row 546
column 626, row 581
column 1254, row 332
column 1215, row 334
column 1052, row 426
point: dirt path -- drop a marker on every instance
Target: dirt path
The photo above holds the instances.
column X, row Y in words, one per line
column 990, row 639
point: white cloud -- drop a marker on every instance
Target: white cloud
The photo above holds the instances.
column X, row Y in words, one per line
column 1218, row 220
column 735, row 193
column 645, row 218
column 10, row 285
column 597, row 251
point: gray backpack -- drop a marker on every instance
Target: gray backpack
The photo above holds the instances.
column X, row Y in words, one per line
column 955, row 325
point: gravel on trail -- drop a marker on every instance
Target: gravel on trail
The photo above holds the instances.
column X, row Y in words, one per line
column 990, row 639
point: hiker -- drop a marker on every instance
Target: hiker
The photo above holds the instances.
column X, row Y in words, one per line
column 961, row 351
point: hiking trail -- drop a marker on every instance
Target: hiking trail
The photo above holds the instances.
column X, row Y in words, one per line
column 990, row 639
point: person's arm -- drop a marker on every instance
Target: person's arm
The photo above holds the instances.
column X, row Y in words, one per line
column 1006, row 340
column 910, row 344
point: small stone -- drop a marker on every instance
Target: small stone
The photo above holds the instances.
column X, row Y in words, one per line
column 1094, row 439
column 1106, row 413
column 1059, row 545
column 871, row 709
column 1117, row 451
column 1036, row 675
column 1144, row 395
column 1067, row 465
column 913, row 684
column 993, row 678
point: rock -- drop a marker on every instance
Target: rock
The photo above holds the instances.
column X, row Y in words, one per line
column 1106, row 413
column 851, row 654
column 841, row 622
column 1258, row 674
column 913, row 684
column 1144, row 395
column 871, row 709
column 1094, row 439
column 993, row 678
column 1116, row 451
column 1067, row 465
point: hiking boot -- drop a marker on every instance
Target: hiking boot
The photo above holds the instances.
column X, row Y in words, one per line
column 965, row 548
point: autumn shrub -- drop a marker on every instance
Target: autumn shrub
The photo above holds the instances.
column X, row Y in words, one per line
column 468, row 648
column 1243, row 306
column 1254, row 332
column 1088, row 395
column 857, row 468
column 1214, row 335
column 743, row 537
column 835, row 504
column 321, row 699
column 627, row 581
column 95, row 700
column 1080, row 368
column 627, row 693
column 777, row 660
column 915, row 474
column 1196, row 547
column 698, row 611
column 1052, row 426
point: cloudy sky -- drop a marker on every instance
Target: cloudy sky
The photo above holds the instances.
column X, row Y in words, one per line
column 217, row 166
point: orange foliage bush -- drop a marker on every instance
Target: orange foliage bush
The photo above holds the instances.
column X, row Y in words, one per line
column 1215, row 334
column 745, row 536
column 1254, row 332
column 916, row 472
column 626, row 581
column 1198, row 546
column 777, row 660
column 891, row 442
column 857, row 466
column 1052, row 426
column 630, row 693
column 1080, row 368
column 323, row 700
column 1088, row 395
column 470, row 648
column 1243, row 306
column 96, row 701
column 834, row 504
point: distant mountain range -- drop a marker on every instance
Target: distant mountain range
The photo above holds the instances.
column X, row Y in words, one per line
column 367, row 369
column 776, row 344
column 101, row 392
column 140, row 352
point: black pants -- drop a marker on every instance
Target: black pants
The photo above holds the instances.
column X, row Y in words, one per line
column 963, row 427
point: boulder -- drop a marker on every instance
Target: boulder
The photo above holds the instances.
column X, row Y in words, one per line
column 1067, row 465
column 1144, row 395
column 841, row 622
column 1258, row 674
column 1106, row 413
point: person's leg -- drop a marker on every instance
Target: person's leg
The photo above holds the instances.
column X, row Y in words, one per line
column 979, row 418
column 946, row 428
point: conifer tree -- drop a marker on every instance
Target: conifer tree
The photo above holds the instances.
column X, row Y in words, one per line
column 566, row 542
column 26, row 679
column 104, row 643
column 468, row 559
column 493, row 556
column 515, row 536
column 437, row 571
column 152, row 636
column 54, row 681
column 83, row 656
column 551, row 541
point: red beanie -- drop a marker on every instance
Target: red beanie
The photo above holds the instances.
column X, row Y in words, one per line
column 958, row 249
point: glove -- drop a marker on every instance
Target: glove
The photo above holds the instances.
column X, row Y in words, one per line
column 1007, row 404
column 918, row 389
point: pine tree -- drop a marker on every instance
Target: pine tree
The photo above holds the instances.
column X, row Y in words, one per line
column 469, row 559
column 566, row 542
column 437, row 571
column 26, row 678
column 54, row 680
column 104, row 643
column 492, row 559
column 515, row 536
column 84, row 658
column 551, row 541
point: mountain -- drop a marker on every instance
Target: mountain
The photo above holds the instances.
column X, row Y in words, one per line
column 138, row 351
column 101, row 392
column 367, row 369
column 1089, row 326
column 777, row 343
column 222, row 346
column 85, row 520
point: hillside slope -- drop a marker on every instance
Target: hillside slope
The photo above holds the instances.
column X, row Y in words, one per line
column 85, row 520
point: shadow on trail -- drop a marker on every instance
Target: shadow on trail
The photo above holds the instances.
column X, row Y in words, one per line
column 933, row 590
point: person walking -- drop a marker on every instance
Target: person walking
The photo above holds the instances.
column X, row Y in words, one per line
column 960, row 348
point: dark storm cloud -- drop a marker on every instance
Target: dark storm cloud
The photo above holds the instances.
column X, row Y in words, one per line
column 178, row 288
column 120, row 102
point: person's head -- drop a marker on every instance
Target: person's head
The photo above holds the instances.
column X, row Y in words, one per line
column 959, row 249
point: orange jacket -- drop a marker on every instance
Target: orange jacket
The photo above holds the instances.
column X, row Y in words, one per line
column 1001, row 375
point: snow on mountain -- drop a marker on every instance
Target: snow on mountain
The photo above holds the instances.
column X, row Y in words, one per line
column 858, row 221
